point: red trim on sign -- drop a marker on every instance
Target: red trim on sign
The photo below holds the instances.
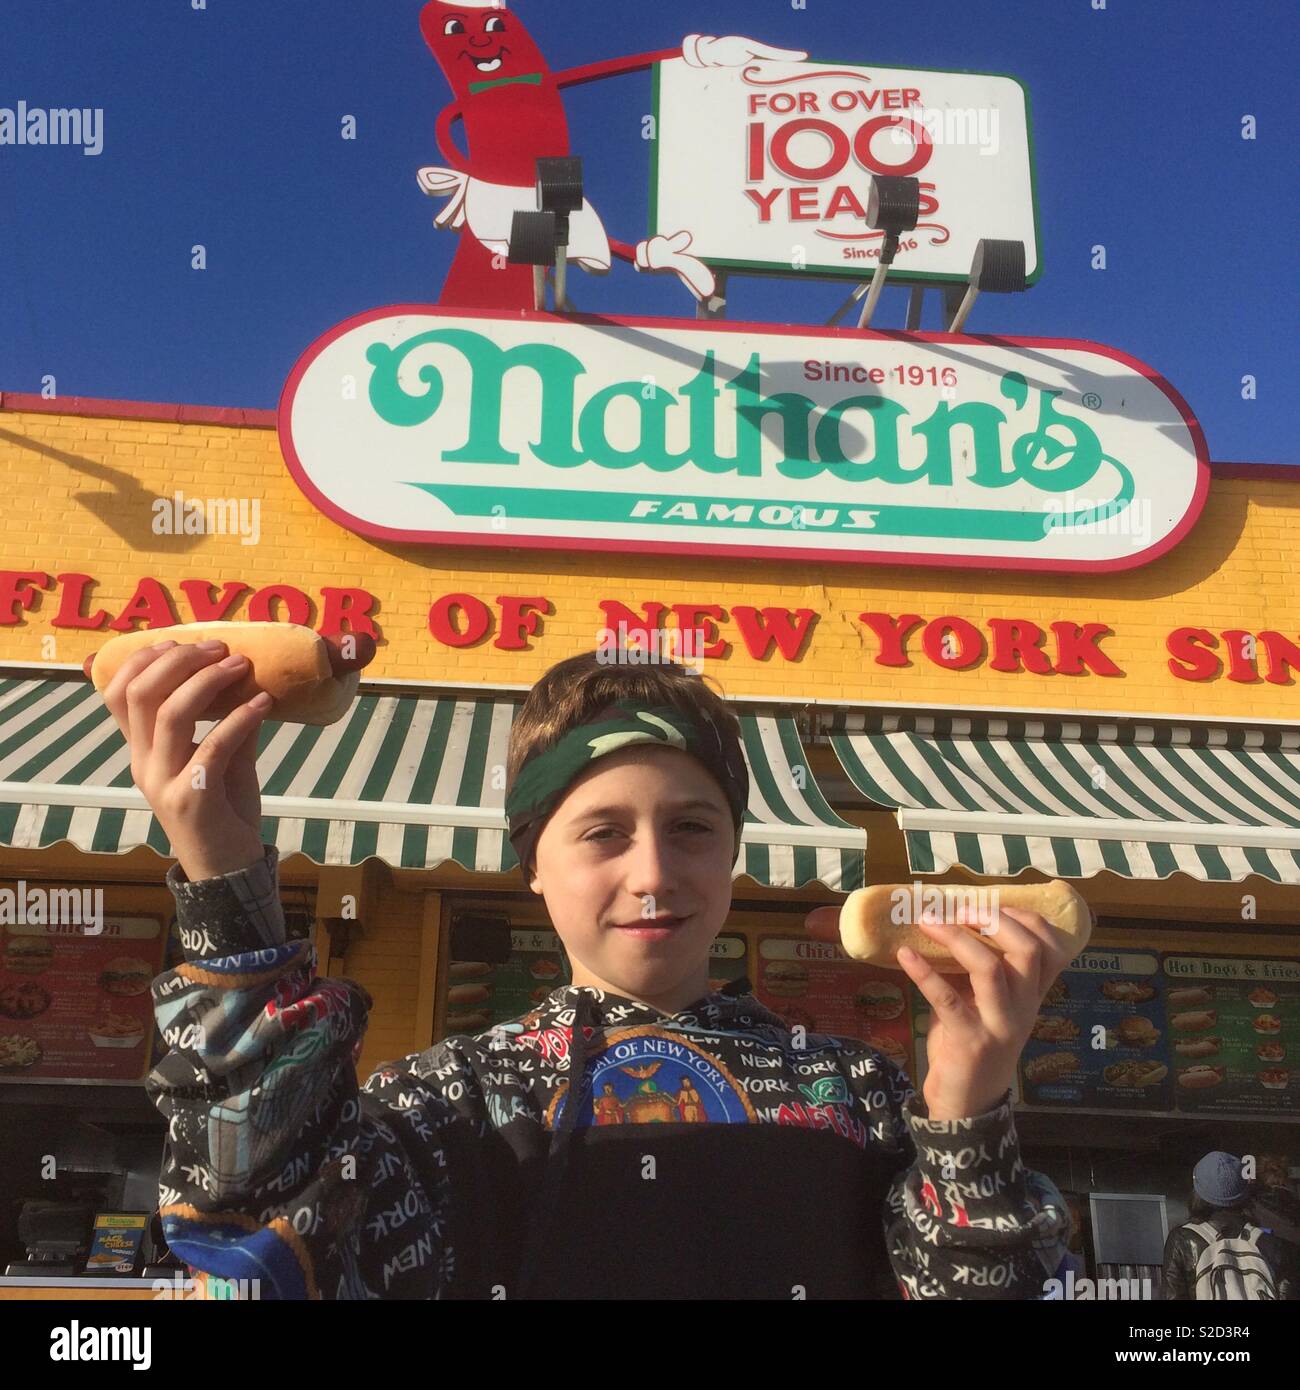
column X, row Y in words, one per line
column 236, row 417
column 1283, row 472
column 748, row 552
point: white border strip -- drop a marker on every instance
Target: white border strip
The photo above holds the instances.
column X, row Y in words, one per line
column 403, row 813
column 1079, row 828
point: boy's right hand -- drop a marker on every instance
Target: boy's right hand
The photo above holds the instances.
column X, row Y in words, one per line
column 212, row 818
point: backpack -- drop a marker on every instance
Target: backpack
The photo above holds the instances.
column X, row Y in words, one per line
column 1233, row 1267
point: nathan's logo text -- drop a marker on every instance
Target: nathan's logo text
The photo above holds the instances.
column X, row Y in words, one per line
column 1053, row 451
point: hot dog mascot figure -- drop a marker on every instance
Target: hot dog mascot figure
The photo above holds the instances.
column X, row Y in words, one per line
column 513, row 112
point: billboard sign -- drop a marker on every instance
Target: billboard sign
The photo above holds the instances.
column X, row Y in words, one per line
column 468, row 428
column 769, row 165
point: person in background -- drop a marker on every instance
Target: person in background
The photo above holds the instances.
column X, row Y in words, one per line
column 1274, row 1201
column 1053, row 1248
column 1221, row 1252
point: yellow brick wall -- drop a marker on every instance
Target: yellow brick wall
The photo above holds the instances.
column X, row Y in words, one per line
column 78, row 491
column 386, row 960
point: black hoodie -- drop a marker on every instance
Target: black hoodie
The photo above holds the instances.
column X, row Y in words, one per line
column 714, row 1152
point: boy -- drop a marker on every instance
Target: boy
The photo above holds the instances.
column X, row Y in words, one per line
column 636, row 1135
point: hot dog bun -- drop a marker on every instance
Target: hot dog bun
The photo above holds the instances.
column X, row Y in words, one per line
column 309, row 678
column 869, row 930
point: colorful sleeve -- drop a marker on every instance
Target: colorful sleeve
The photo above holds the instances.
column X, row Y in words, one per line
column 277, row 1167
column 961, row 1222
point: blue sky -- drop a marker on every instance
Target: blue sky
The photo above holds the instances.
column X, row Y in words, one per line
column 221, row 127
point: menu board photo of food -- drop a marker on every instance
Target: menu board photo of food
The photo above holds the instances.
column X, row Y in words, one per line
column 75, row 1005
column 815, row 984
column 727, row 961
column 481, row 993
column 1236, row 1031
column 1100, row 1039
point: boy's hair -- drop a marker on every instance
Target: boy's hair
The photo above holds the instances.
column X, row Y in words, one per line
column 572, row 690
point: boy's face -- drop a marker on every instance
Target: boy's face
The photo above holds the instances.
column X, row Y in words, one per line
column 644, row 833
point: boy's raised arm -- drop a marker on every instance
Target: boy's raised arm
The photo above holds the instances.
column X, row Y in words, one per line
column 277, row 1168
column 960, row 1221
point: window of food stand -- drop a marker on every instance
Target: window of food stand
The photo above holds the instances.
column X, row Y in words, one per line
column 76, row 1127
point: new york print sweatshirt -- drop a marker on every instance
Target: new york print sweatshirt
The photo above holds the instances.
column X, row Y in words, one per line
column 710, row 1153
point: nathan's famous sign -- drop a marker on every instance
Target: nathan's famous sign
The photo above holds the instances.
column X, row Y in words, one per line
column 481, row 422
column 662, row 434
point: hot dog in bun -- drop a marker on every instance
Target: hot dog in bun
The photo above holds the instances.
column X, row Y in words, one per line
column 1198, row 1021
column 1200, row 1077
column 312, row 679
column 870, row 931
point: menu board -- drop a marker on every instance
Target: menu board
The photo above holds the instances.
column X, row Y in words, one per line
column 480, row 994
column 1236, row 1030
column 726, row 960
column 815, row 984
column 75, row 1006
column 1101, row 1039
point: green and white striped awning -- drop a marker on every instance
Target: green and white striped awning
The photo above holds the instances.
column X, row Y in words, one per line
column 413, row 780
column 1070, row 799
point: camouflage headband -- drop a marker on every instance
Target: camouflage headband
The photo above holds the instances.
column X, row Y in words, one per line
column 546, row 776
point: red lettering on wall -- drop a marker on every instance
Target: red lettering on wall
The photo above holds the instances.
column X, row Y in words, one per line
column 347, row 610
column 150, row 605
column 1283, row 657
column 297, row 606
column 72, row 596
column 701, row 618
column 519, row 618
column 1241, row 667
column 970, row 643
column 1076, row 648
column 477, row 620
column 759, row 628
column 1184, row 645
column 1017, row 645
column 636, row 629
column 204, row 607
column 891, row 633
column 16, row 590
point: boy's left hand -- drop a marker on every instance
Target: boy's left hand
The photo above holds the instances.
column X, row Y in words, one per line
column 981, row 1020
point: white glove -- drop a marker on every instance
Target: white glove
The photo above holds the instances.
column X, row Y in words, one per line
column 704, row 51
column 668, row 253
column 449, row 184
